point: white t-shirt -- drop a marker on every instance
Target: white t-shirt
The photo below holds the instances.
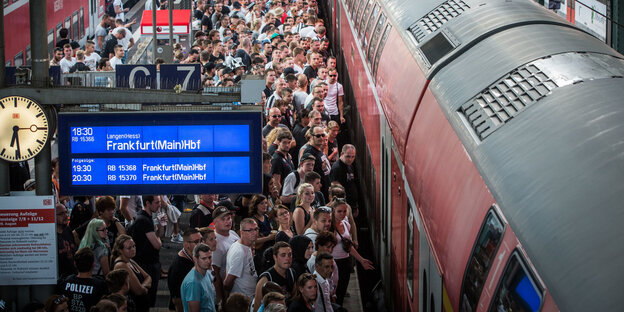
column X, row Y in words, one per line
column 66, row 64
column 219, row 256
column 331, row 100
column 126, row 40
column 299, row 99
column 115, row 61
column 240, row 264
column 121, row 15
column 92, row 60
column 289, row 184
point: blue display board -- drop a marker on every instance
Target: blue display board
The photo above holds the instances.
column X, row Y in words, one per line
column 160, row 153
column 188, row 76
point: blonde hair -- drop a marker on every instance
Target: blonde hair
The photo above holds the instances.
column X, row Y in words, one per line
column 300, row 190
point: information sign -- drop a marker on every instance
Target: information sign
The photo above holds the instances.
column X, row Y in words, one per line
column 135, row 76
column 160, row 153
column 28, row 254
column 188, row 76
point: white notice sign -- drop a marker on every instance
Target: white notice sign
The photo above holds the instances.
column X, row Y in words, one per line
column 28, row 253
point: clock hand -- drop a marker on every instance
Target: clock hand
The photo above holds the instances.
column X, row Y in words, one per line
column 15, row 139
column 34, row 127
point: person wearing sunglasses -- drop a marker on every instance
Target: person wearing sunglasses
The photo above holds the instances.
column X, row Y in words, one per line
column 317, row 138
column 275, row 116
column 96, row 238
column 304, row 294
column 140, row 282
column 181, row 265
column 56, row 303
column 240, row 268
column 334, row 101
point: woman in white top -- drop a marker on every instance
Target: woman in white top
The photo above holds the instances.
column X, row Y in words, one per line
column 344, row 248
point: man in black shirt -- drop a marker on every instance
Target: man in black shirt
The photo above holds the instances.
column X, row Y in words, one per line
column 201, row 216
column 65, row 243
column 180, row 267
column 280, row 273
column 314, row 148
column 148, row 244
column 83, row 290
column 281, row 163
column 344, row 172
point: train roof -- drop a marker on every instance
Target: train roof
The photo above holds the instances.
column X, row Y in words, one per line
column 538, row 106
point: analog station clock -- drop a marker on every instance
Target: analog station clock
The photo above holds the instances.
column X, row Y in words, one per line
column 23, row 128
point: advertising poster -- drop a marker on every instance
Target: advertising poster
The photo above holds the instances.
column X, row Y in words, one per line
column 27, row 240
column 590, row 15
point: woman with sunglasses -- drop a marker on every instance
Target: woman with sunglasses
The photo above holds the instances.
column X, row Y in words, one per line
column 96, row 238
column 344, row 248
column 284, row 223
column 302, row 215
column 56, row 303
column 304, row 294
column 140, row 282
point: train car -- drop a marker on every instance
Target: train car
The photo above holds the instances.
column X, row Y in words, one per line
column 489, row 139
column 80, row 17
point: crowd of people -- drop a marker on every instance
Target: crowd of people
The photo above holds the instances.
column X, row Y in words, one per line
column 289, row 248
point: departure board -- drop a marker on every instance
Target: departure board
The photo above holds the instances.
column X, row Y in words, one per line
column 160, row 153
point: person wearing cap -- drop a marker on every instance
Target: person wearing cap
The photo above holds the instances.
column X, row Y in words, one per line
column 222, row 217
column 241, row 274
column 293, row 179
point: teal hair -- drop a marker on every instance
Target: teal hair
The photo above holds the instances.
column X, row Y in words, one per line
column 91, row 238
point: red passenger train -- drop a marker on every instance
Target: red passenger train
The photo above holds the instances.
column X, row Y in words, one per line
column 489, row 137
column 80, row 17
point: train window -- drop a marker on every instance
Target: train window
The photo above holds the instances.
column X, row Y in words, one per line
column 375, row 39
column 67, row 25
column 436, row 48
column 81, row 24
column 360, row 9
column 483, row 252
column 6, row 3
column 409, row 276
column 75, row 27
column 58, row 30
column 369, row 26
column 28, row 56
column 381, row 47
column 19, row 59
column 517, row 290
column 353, row 8
column 362, row 21
column 51, row 41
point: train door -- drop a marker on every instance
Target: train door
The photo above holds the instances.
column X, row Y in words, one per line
column 412, row 233
column 397, row 232
column 430, row 290
column 386, row 199
column 94, row 15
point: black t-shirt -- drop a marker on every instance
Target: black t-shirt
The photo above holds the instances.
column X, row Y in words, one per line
column 267, row 91
column 213, row 59
column 281, row 164
column 298, row 306
column 206, row 21
column 83, row 293
column 198, row 219
column 177, row 272
column 66, row 249
column 310, row 72
column 146, row 254
column 347, row 176
column 109, row 47
column 81, row 213
column 198, row 14
column 286, row 283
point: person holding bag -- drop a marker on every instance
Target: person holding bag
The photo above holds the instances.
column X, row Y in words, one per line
column 344, row 248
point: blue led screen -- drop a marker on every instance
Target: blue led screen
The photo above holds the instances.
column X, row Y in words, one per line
column 160, row 153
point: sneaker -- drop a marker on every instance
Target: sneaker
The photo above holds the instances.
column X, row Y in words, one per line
column 176, row 238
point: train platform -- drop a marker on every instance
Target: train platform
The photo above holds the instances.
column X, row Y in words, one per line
column 353, row 302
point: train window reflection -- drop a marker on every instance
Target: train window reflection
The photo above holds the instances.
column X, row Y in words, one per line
column 364, row 17
column 479, row 264
column 517, row 290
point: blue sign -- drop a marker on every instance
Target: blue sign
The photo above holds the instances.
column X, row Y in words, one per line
column 135, row 76
column 188, row 76
column 160, row 153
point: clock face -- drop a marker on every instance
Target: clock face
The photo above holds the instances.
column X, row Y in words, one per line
column 23, row 128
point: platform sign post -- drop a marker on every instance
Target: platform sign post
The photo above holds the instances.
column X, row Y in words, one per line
column 160, row 153
column 135, row 76
column 188, row 76
column 28, row 254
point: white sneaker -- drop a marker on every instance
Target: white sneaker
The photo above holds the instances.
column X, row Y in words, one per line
column 176, row 238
